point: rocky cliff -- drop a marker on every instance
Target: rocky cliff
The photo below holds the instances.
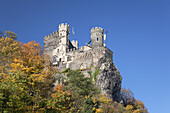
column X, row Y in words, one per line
column 109, row 79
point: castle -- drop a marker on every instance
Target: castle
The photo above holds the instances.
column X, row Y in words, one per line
column 65, row 53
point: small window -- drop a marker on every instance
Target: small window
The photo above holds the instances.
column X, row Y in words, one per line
column 54, row 59
column 60, row 34
column 60, row 41
column 58, row 50
column 97, row 39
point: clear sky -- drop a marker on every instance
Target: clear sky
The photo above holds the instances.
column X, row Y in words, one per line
column 139, row 36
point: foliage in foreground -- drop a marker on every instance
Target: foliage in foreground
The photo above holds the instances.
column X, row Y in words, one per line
column 25, row 76
column 26, row 85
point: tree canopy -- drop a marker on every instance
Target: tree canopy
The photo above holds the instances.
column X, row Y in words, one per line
column 27, row 84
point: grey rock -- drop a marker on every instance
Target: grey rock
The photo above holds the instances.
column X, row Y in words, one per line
column 109, row 80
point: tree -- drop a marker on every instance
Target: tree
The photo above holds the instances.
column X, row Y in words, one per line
column 93, row 103
column 26, row 83
column 113, row 107
column 9, row 50
column 127, row 97
column 61, row 101
column 25, row 76
column 1, row 34
column 132, row 105
column 79, row 85
column 93, row 76
column 10, row 35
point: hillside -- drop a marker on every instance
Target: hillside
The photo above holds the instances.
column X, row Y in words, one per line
column 27, row 84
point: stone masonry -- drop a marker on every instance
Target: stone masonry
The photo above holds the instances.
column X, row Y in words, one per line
column 67, row 54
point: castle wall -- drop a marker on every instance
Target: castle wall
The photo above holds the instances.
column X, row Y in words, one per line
column 50, row 43
column 85, row 59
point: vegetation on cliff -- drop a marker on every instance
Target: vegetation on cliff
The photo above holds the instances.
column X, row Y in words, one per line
column 27, row 85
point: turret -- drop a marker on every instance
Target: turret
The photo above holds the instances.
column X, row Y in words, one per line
column 97, row 37
column 62, row 43
column 63, row 40
column 63, row 31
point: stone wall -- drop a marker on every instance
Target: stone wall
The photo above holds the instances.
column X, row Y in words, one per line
column 50, row 43
column 86, row 59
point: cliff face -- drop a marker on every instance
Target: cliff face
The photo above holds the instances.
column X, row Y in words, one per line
column 109, row 79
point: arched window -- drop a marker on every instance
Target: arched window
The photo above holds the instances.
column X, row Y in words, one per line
column 97, row 39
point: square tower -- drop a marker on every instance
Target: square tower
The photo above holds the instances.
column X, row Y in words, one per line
column 97, row 37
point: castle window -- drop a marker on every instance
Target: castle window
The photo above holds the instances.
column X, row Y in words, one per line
column 97, row 39
column 54, row 59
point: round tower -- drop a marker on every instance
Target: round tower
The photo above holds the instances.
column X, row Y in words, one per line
column 97, row 37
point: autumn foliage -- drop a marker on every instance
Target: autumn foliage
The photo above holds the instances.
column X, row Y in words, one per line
column 25, row 76
column 61, row 101
column 132, row 105
column 27, row 85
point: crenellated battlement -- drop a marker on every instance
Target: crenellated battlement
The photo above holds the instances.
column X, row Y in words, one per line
column 76, row 49
column 50, row 42
column 63, row 26
column 77, row 56
column 97, row 29
column 51, row 35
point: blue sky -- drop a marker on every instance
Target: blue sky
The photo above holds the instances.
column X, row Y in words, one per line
column 139, row 36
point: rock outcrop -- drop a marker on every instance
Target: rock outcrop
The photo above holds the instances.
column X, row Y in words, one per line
column 109, row 79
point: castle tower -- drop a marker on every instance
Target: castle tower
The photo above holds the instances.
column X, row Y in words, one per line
column 97, row 37
column 62, row 43
column 63, row 40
